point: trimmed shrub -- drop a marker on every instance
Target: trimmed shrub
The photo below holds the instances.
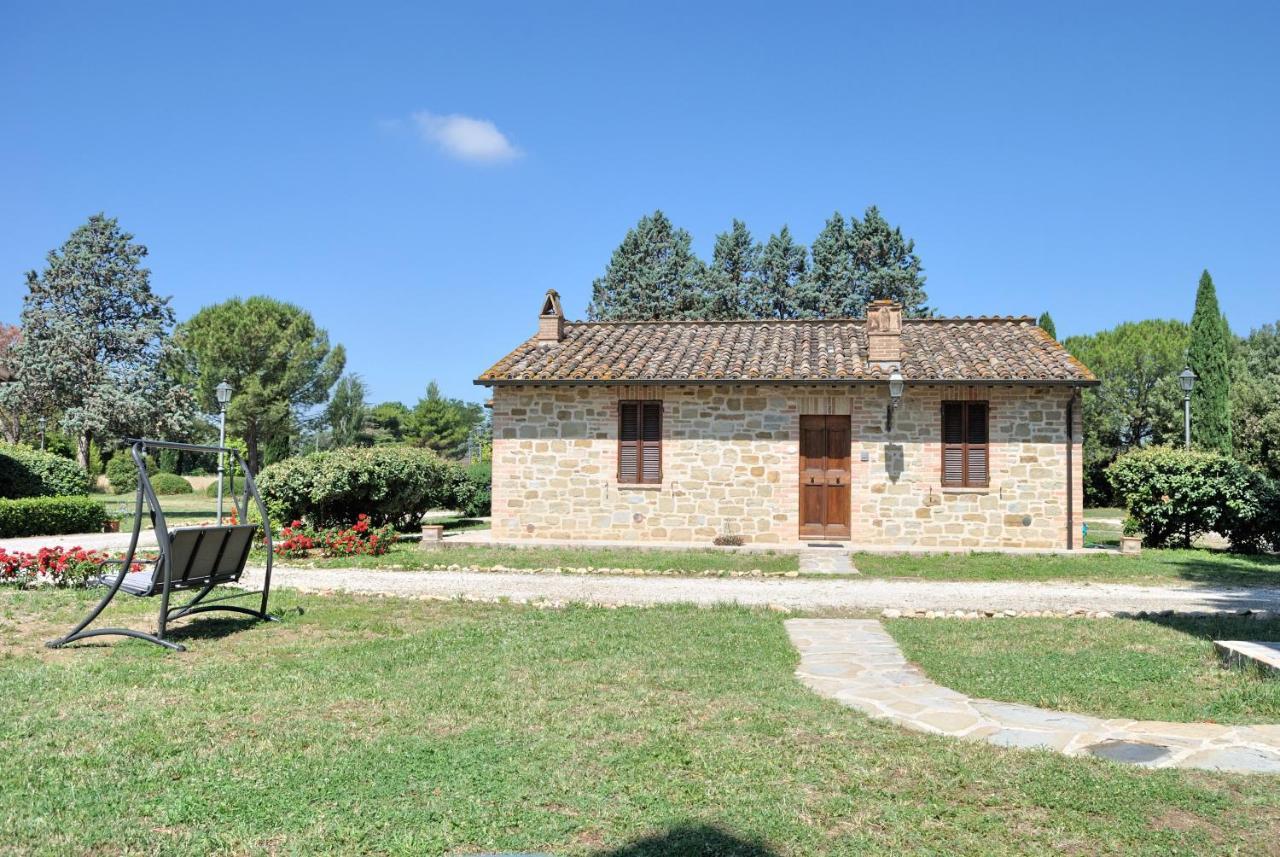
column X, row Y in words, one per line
column 122, row 473
column 228, row 487
column 169, row 483
column 1175, row 495
column 472, row 492
column 27, row 472
column 393, row 484
column 50, row 516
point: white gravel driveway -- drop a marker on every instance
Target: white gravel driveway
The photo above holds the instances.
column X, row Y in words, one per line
column 795, row 593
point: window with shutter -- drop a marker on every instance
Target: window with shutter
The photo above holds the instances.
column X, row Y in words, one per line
column 640, row 443
column 965, row 444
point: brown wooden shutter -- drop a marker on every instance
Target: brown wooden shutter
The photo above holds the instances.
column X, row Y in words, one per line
column 651, row 443
column 629, row 442
column 976, row 449
column 953, row 457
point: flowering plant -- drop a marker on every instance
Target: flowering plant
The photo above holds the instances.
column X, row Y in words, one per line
column 54, row 566
column 361, row 538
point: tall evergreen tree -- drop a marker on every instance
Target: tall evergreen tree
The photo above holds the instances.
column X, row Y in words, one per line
column 830, row 287
column 346, row 412
column 442, row 424
column 654, row 274
column 1209, row 354
column 733, row 274
column 782, row 273
column 95, row 342
column 1045, row 323
column 886, row 265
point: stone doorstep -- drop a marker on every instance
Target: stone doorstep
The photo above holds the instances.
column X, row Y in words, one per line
column 1239, row 653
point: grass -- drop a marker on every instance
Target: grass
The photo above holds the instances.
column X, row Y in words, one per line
column 1151, row 567
column 390, row 726
column 1158, row 669
column 483, row 556
column 179, row 509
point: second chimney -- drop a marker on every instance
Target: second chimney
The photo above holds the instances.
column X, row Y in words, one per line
column 884, row 332
column 551, row 319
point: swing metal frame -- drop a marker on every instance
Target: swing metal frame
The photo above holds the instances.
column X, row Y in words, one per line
column 189, row 557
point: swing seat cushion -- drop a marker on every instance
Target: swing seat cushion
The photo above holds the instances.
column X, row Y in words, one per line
column 200, row 556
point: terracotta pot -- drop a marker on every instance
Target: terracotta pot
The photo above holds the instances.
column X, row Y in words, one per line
column 112, row 525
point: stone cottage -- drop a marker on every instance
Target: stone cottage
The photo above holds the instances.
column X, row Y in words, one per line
column 884, row 432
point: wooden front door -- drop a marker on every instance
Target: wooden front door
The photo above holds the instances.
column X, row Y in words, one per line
column 824, row 477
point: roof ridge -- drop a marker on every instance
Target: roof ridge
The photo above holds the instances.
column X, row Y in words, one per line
column 935, row 319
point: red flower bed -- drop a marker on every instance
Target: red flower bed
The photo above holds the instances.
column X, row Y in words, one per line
column 360, row 539
column 54, row 566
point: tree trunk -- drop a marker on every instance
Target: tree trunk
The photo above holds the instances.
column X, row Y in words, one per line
column 82, row 450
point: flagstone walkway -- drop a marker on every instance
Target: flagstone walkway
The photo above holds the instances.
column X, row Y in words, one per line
column 857, row 663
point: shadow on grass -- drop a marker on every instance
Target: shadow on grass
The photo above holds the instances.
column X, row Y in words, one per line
column 688, row 841
column 1218, row 627
column 1223, row 568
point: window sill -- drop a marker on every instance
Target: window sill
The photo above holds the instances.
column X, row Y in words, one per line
column 638, row 486
column 957, row 489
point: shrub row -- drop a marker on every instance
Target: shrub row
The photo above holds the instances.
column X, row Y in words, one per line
column 50, row 516
column 122, row 473
column 27, row 472
column 1175, row 495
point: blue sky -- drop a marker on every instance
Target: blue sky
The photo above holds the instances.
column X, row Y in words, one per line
column 417, row 178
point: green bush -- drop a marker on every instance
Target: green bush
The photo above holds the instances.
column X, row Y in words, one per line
column 471, row 491
column 170, row 483
column 50, row 516
column 1175, row 495
column 122, row 473
column 392, row 484
column 27, row 472
column 228, row 488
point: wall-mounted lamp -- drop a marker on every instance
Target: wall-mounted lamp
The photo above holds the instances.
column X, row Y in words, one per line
column 896, row 385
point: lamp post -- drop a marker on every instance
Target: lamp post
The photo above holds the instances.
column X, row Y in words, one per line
column 896, row 384
column 223, row 394
column 1186, row 380
column 42, row 422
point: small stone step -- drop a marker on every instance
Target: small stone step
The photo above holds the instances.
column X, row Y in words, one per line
column 826, row 561
column 1237, row 653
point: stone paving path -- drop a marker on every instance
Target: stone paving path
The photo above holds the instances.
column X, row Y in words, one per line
column 826, row 561
column 857, row 663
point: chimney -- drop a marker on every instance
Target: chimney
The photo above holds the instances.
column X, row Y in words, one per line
column 551, row 319
column 884, row 332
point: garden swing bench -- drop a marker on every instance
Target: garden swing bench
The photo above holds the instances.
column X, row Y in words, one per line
column 197, row 558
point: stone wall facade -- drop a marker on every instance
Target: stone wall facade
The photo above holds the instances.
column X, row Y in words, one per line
column 731, row 465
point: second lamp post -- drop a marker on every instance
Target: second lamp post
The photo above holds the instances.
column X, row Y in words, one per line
column 223, row 394
column 1186, row 380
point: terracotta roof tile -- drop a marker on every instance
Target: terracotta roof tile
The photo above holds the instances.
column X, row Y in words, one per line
column 941, row 349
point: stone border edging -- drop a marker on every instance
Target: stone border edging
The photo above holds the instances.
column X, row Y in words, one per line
column 857, row 663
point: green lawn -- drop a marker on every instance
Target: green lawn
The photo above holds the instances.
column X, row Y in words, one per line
column 385, row 726
column 1159, row 669
column 179, row 509
column 483, row 556
column 1152, row 566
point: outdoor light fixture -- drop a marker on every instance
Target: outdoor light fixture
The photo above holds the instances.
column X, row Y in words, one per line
column 1186, row 380
column 42, row 422
column 896, row 384
column 223, row 393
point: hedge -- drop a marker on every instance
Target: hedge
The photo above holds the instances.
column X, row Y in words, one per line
column 391, row 484
column 169, row 483
column 122, row 473
column 27, row 472
column 1174, row 495
column 472, row 490
column 50, row 516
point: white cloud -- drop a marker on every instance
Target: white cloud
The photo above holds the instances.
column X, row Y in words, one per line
column 465, row 138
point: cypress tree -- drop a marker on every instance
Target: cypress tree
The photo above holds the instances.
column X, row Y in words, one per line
column 733, row 274
column 1209, row 354
column 1045, row 323
column 830, row 288
column 782, row 272
column 653, row 275
column 886, row 265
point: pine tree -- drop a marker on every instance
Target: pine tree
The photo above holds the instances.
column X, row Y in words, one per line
column 653, row 274
column 347, row 412
column 886, row 265
column 1045, row 323
column 782, row 272
column 735, row 264
column 829, row 289
column 1209, row 354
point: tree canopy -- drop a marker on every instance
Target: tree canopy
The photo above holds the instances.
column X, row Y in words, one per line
column 1255, row 400
column 346, row 413
column 654, row 274
column 94, row 346
column 273, row 354
column 1045, row 323
column 443, row 424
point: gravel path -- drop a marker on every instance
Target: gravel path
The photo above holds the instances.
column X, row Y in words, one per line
column 798, row 593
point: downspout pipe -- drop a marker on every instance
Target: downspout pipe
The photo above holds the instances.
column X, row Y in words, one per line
column 1071, row 443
